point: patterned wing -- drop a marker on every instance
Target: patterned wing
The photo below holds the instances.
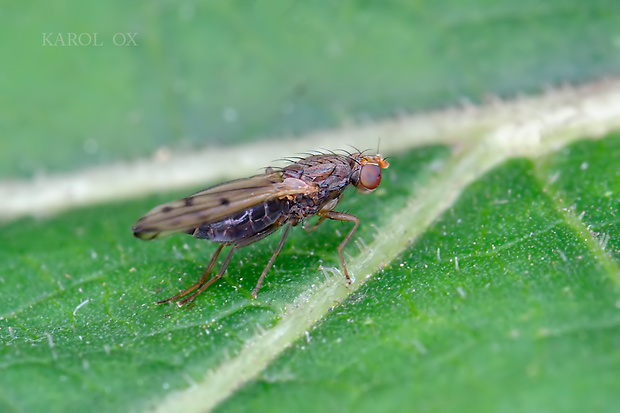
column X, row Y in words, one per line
column 216, row 203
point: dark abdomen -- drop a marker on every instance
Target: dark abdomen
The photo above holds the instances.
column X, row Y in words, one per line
column 245, row 224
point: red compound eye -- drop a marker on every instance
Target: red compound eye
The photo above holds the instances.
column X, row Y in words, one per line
column 370, row 176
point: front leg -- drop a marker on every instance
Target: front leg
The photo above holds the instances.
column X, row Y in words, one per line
column 312, row 228
column 342, row 216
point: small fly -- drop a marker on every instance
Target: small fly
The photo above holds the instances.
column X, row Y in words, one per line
column 243, row 211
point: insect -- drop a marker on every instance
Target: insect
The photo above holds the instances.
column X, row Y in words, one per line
column 243, row 211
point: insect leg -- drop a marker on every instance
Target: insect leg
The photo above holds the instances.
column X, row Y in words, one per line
column 271, row 260
column 312, row 228
column 212, row 280
column 343, row 216
column 205, row 277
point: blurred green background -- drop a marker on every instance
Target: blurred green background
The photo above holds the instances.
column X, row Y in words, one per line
column 227, row 72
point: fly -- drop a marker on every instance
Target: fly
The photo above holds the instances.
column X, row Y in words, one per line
column 243, row 211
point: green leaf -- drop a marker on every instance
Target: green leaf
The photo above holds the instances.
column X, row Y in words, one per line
column 515, row 286
column 486, row 263
column 510, row 301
